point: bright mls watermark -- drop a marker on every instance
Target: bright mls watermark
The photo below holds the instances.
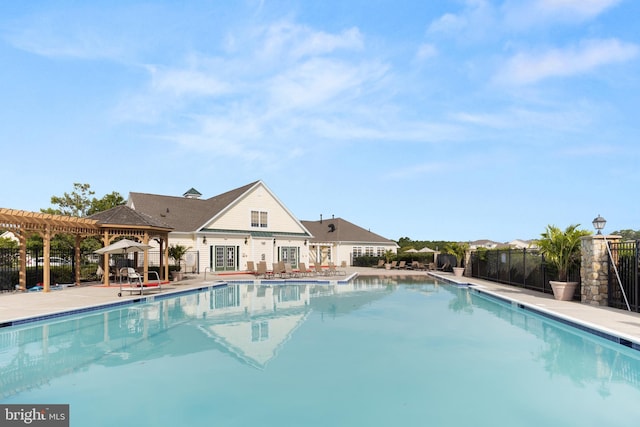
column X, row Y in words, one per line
column 34, row 415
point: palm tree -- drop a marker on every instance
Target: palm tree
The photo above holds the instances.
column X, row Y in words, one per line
column 177, row 252
column 562, row 248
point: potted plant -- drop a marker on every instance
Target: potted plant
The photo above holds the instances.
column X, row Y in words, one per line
column 177, row 252
column 561, row 249
column 459, row 250
column 388, row 254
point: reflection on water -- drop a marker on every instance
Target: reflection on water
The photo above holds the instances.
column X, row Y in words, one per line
column 564, row 351
column 249, row 322
column 252, row 323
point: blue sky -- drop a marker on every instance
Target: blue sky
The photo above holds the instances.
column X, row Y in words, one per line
column 447, row 120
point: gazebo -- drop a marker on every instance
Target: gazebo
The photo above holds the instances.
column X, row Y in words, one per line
column 119, row 221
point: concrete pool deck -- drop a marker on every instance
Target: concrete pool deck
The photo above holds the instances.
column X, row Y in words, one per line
column 20, row 306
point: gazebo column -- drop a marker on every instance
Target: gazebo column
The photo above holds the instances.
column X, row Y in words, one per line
column 76, row 256
column 46, row 268
column 145, row 260
column 105, row 258
column 22, row 275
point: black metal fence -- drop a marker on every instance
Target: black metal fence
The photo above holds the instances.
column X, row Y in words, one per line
column 61, row 266
column 524, row 268
column 624, row 256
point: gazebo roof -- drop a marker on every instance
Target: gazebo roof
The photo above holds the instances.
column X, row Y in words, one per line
column 125, row 216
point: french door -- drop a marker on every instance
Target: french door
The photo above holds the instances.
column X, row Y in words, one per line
column 224, row 258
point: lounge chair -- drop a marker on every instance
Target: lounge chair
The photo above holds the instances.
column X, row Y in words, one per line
column 251, row 268
column 446, row 267
column 288, row 270
column 335, row 272
column 262, row 270
column 393, row 264
column 401, row 265
column 319, row 270
column 380, row 263
column 304, row 271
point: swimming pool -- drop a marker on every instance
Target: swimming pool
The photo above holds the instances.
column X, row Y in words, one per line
column 368, row 353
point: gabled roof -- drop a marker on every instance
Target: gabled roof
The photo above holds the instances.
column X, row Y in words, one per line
column 124, row 215
column 184, row 213
column 340, row 230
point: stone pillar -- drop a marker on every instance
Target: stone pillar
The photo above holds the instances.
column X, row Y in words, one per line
column 594, row 274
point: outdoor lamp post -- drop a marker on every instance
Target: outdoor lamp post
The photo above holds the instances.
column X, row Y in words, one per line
column 599, row 223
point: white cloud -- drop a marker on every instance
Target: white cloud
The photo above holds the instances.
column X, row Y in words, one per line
column 582, row 8
column 527, row 68
column 184, row 82
column 519, row 15
column 289, row 40
column 426, row 51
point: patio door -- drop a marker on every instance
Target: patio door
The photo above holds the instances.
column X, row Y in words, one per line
column 224, row 258
column 290, row 255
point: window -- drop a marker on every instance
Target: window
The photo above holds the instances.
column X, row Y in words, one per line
column 380, row 252
column 368, row 250
column 357, row 251
column 259, row 219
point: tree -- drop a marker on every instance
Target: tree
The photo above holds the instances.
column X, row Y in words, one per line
column 107, row 202
column 75, row 204
column 628, row 234
column 458, row 250
column 79, row 204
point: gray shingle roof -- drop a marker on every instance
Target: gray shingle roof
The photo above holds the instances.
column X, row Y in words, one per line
column 343, row 231
column 182, row 213
column 124, row 215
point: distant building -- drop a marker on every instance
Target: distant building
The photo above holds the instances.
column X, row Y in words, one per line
column 340, row 241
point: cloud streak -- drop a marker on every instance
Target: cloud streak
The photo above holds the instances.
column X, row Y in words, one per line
column 531, row 67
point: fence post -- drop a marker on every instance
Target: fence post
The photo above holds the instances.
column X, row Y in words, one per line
column 594, row 275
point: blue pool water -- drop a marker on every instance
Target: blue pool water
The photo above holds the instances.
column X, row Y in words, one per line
column 368, row 353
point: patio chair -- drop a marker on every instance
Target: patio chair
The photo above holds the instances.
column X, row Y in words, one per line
column 401, row 265
column 304, row 271
column 262, row 270
column 334, row 271
column 288, row 270
column 380, row 263
column 319, row 270
column 251, row 268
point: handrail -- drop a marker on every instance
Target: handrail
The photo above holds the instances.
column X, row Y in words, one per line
column 205, row 272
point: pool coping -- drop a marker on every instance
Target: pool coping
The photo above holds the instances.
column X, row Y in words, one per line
column 617, row 337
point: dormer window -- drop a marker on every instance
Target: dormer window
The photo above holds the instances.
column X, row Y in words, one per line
column 259, row 219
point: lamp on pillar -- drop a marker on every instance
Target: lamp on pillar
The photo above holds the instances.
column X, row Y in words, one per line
column 599, row 223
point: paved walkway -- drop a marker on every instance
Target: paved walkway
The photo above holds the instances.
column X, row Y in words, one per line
column 17, row 306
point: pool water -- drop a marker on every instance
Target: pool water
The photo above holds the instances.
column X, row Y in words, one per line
column 368, row 353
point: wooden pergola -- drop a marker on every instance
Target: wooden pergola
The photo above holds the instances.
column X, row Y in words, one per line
column 117, row 222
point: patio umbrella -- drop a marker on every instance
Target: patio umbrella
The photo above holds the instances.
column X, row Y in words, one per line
column 122, row 247
column 425, row 249
column 411, row 250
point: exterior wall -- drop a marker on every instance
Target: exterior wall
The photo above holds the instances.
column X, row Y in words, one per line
column 239, row 217
column 593, row 269
column 256, row 249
